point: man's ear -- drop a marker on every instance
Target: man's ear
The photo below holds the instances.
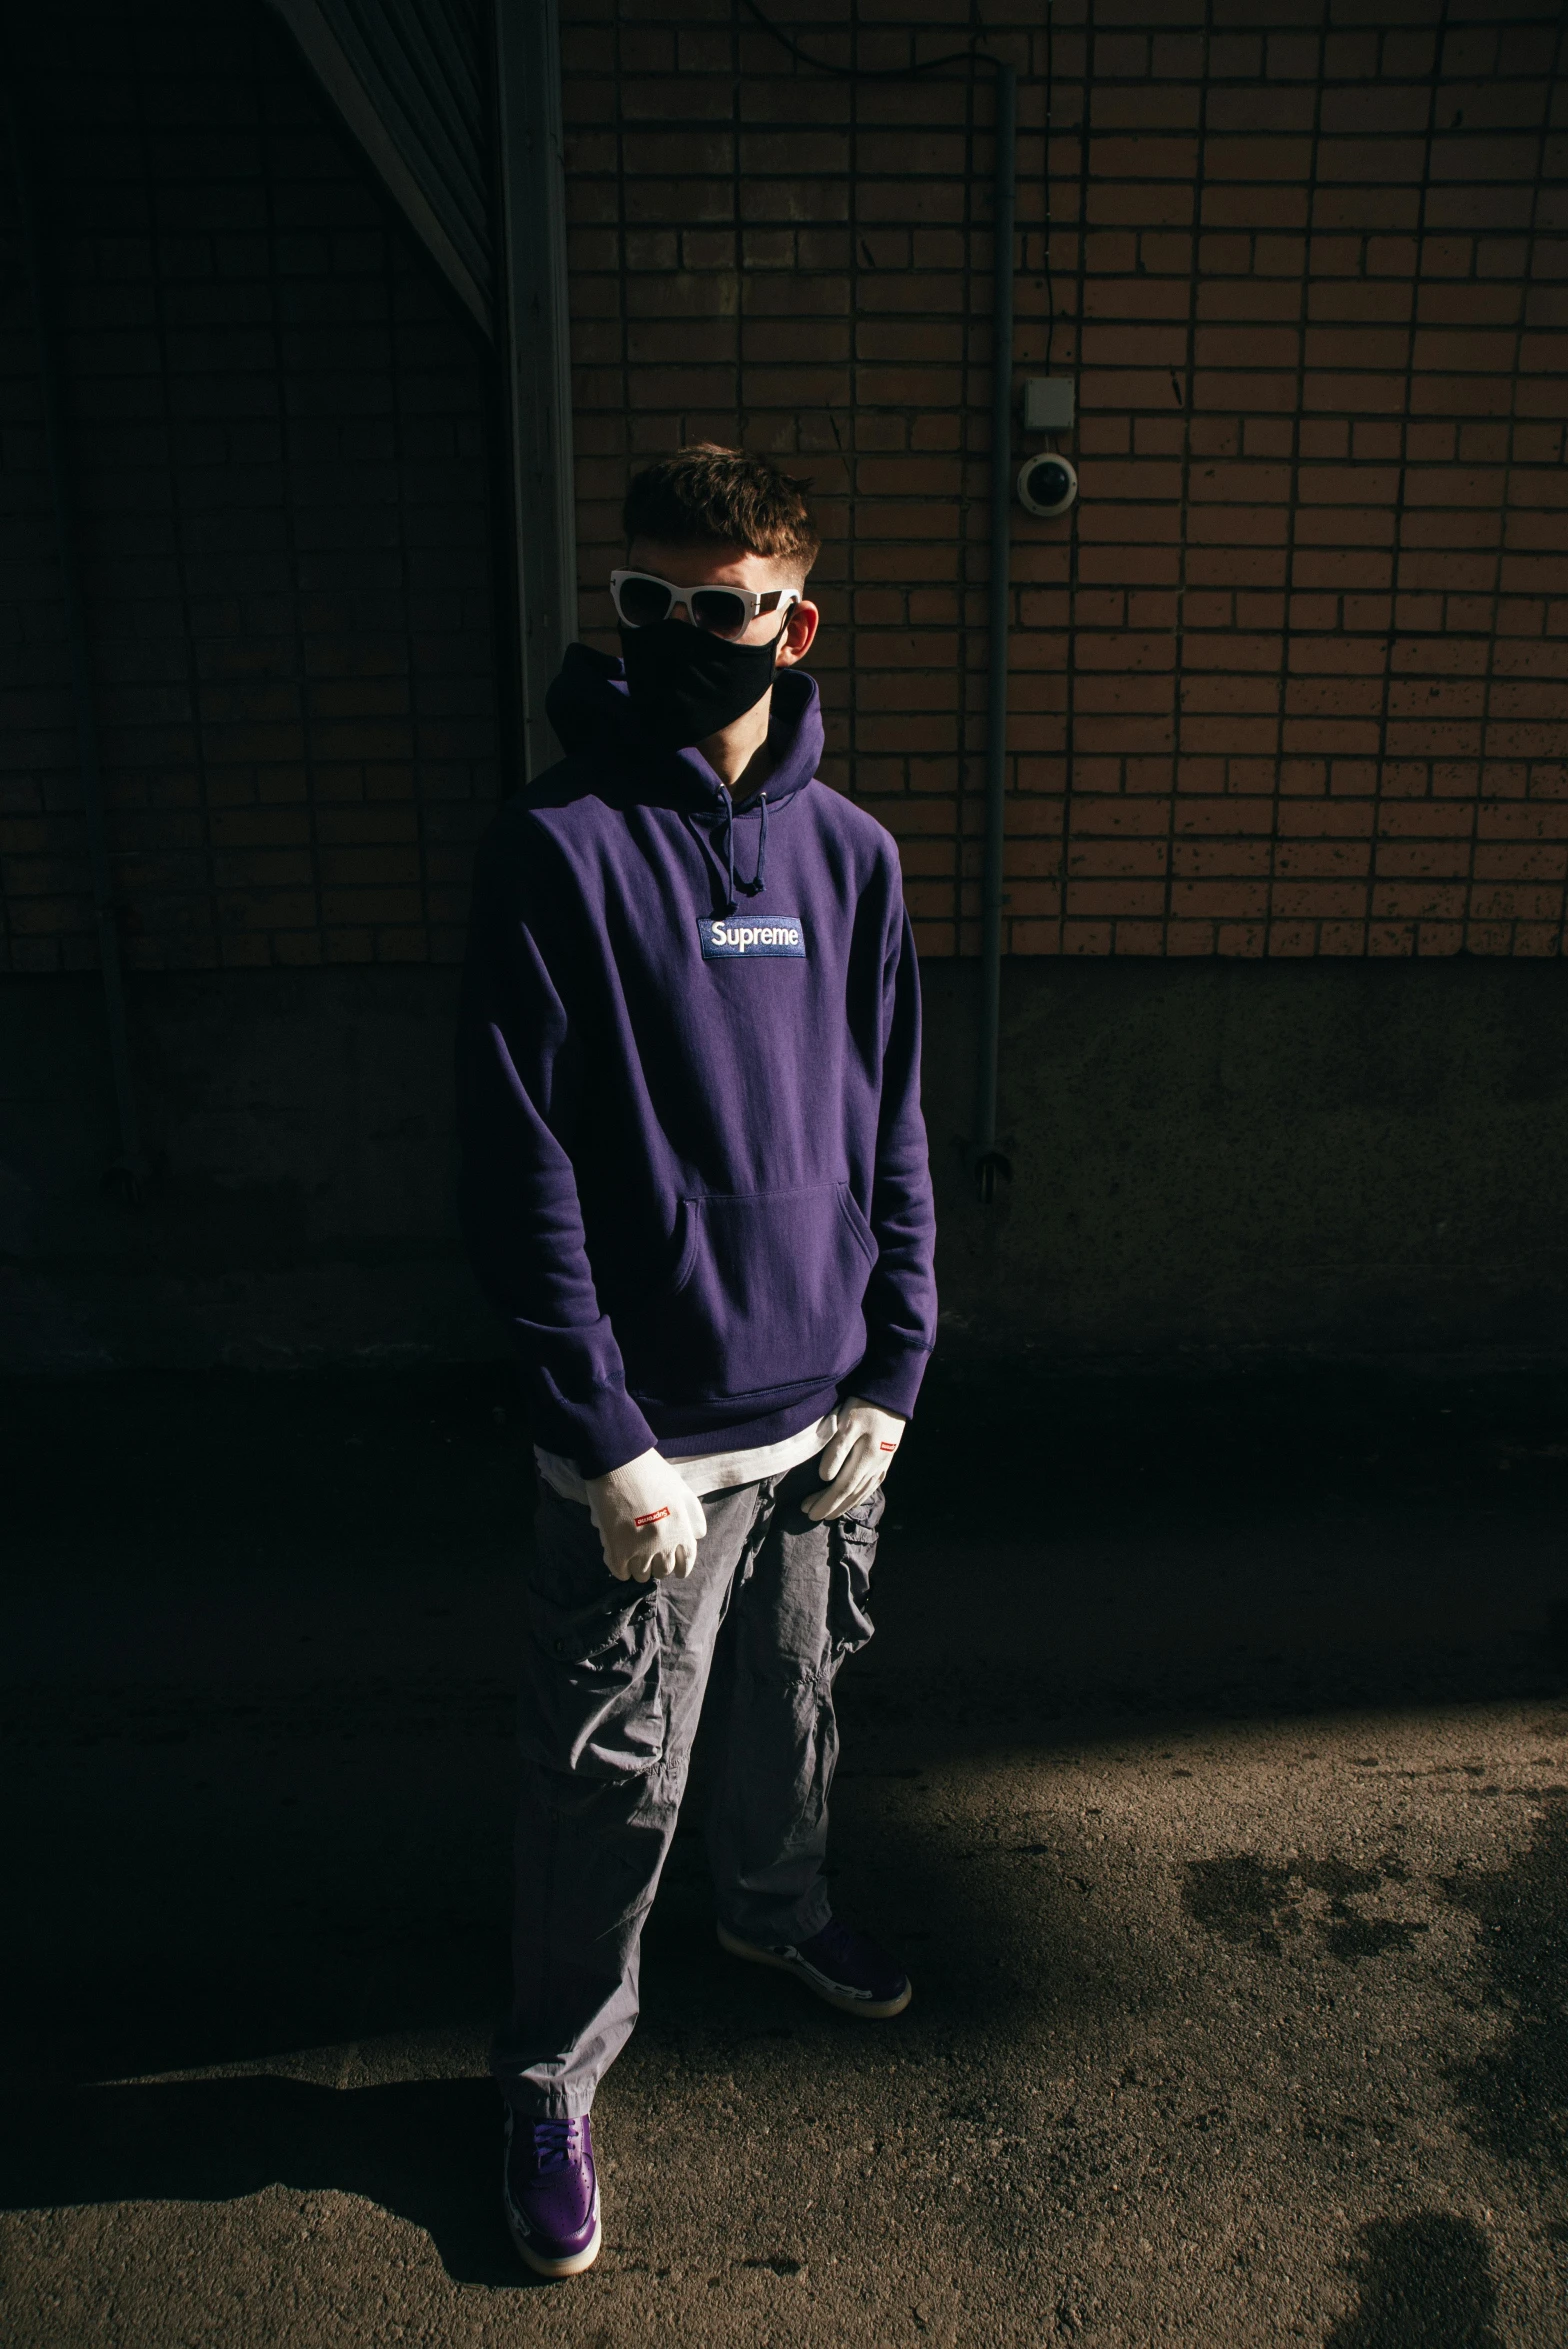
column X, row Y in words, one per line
column 799, row 632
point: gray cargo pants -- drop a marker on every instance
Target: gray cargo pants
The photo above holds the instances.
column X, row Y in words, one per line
column 613, row 1681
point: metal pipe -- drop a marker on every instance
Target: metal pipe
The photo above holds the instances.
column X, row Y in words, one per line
column 987, row 1162
column 127, row 1168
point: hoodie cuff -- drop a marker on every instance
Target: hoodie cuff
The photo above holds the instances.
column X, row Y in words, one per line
column 890, row 1375
column 596, row 1432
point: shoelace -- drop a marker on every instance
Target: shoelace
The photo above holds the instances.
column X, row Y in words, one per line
column 557, row 2143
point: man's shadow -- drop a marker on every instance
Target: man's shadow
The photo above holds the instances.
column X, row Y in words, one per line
column 428, row 2151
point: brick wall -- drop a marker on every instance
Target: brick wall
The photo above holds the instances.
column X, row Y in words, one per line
column 1292, row 678
column 279, row 449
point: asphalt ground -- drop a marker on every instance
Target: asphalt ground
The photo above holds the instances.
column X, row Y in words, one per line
column 1210, row 1770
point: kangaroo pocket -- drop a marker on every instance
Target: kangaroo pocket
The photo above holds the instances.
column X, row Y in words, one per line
column 766, row 1295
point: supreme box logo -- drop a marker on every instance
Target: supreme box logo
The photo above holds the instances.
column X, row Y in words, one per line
column 728, row 936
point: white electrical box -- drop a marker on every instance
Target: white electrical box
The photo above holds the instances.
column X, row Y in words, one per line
column 1049, row 403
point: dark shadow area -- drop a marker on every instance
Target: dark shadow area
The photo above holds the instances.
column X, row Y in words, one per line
column 1138, row 1539
column 1515, row 2097
column 425, row 2150
column 1255, row 1906
column 1230, row 1543
column 160, row 1462
column 428, row 2151
column 1425, row 2283
column 239, row 1472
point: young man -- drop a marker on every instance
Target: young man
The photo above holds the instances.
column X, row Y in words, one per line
column 695, row 1183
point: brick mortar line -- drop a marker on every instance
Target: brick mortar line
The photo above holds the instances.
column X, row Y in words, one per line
column 1189, row 388
column 415, row 729
column 1074, row 541
column 176, row 512
column 963, row 792
column 738, row 218
column 1467, row 915
column 266, row 133
column 1292, row 514
column 850, row 456
column 1396, row 566
column 623, row 266
column 1074, row 563
column 1509, row 470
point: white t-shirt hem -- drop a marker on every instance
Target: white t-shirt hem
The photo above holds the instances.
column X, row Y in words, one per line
column 711, row 1472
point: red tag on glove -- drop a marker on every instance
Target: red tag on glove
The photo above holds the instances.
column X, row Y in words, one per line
column 652, row 1517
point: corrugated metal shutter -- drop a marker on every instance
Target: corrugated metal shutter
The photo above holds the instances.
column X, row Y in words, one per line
column 406, row 76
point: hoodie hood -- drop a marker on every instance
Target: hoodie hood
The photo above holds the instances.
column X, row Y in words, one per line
column 592, row 714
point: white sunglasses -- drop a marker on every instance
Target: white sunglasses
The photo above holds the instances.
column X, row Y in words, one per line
column 642, row 600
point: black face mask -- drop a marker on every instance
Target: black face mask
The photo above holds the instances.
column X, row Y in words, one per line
column 685, row 684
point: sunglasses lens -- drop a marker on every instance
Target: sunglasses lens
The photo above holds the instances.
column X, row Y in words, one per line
column 719, row 610
column 644, row 602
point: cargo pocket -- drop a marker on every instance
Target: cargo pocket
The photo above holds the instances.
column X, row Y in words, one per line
column 852, row 1553
column 593, row 1696
column 766, row 1296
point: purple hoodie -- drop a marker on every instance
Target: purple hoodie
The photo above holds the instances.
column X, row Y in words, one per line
column 694, row 1165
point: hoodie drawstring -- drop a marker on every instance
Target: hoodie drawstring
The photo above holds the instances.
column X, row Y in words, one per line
column 753, row 887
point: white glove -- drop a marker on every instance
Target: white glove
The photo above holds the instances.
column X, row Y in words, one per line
column 857, row 1459
column 648, row 1519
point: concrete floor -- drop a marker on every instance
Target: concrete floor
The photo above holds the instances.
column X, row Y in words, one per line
column 1211, row 1770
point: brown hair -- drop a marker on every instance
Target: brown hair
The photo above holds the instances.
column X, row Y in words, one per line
column 711, row 496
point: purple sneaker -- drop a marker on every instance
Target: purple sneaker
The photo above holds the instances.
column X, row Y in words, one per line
column 841, row 1966
column 551, row 2194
